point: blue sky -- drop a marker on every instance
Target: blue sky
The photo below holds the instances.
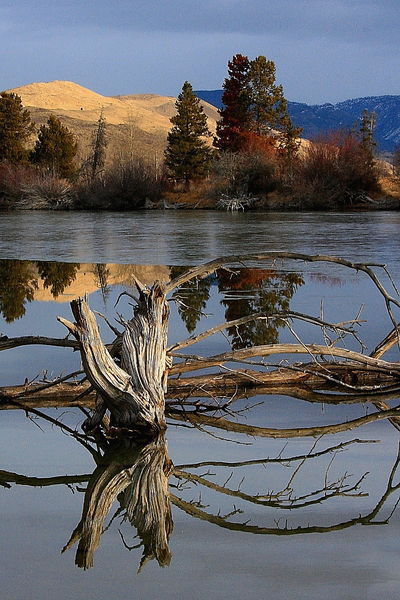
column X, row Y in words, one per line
column 324, row 50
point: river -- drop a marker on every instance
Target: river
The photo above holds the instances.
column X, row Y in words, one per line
column 299, row 518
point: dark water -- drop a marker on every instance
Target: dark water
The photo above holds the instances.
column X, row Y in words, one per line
column 252, row 517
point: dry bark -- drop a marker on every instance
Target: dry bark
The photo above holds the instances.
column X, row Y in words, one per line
column 134, row 392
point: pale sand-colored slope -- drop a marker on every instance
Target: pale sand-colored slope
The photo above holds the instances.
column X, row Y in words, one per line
column 87, row 280
column 149, row 112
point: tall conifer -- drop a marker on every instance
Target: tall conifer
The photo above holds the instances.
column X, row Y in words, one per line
column 235, row 114
column 268, row 104
column 97, row 157
column 188, row 155
column 55, row 148
column 15, row 128
column 253, row 105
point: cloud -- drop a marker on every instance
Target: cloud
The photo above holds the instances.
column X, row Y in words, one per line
column 339, row 19
column 324, row 50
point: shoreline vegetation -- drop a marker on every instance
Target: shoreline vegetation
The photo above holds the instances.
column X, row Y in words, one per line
column 256, row 161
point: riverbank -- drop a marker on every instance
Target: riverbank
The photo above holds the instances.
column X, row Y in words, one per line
column 135, row 186
column 386, row 198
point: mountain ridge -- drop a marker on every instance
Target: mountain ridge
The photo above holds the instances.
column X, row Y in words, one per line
column 318, row 118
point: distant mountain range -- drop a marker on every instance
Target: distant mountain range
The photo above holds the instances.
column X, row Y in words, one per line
column 318, row 118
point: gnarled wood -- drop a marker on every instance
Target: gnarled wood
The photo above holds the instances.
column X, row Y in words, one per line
column 134, row 392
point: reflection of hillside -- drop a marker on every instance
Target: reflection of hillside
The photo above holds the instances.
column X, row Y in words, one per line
column 88, row 275
column 24, row 281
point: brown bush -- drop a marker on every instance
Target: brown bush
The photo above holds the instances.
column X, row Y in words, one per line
column 335, row 170
column 26, row 187
column 244, row 173
column 12, row 179
column 127, row 185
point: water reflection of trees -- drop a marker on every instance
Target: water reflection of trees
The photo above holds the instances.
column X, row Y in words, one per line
column 191, row 298
column 19, row 280
column 244, row 291
column 18, row 283
column 248, row 291
column 136, row 476
column 57, row 276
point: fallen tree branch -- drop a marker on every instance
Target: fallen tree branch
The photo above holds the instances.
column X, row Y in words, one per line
column 194, row 362
column 7, row 343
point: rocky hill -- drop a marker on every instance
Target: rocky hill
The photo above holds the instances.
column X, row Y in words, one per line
column 318, row 118
column 136, row 123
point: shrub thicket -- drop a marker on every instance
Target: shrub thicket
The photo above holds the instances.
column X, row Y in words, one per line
column 127, row 185
column 334, row 171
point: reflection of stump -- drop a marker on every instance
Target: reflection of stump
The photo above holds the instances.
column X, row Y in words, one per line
column 139, row 478
column 134, row 392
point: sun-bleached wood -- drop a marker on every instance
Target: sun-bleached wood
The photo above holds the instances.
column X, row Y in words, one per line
column 133, row 392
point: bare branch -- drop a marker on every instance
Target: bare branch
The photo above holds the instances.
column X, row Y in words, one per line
column 193, row 363
column 259, row 316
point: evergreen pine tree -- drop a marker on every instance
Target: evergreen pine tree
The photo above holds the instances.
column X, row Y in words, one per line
column 15, row 128
column 288, row 146
column 235, row 114
column 188, row 155
column 268, row 104
column 55, row 148
column 253, row 105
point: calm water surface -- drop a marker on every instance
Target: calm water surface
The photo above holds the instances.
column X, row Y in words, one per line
column 243, row 526
column 186, row 237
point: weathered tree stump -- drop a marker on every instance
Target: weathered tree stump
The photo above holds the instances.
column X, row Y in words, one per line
column 133, row 393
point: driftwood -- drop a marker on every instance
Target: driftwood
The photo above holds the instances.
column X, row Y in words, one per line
column 131, row 377
column 134, row 392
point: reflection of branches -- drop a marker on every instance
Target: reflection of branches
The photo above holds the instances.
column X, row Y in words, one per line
column 280, row 459
column 139, row 478
column 195, row 510
column 283, row 499
column 232, row 426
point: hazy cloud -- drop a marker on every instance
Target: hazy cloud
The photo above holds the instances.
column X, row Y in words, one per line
column 340, row 19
